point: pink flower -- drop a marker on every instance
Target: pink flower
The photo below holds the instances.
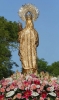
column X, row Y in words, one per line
column 19, row 83
column 14, row 83
column 21, row 87
column 41, row 88
column 45, row 82
column 38, row 90
column 57, row 93
column 33, row 76
column 56, row 86
column 27, row 94
column 48, row 89
column 41, row 98
column 33, row 87
column 57, row 98
column 4, row 83
column 11, row 87
column 2, row 89
column 8, row 89
column 18, row 96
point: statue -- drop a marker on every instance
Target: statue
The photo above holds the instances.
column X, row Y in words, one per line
column 28, row 39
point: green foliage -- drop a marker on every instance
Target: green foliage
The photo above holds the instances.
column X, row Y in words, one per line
column 8, row 37
column 42, row 65
column 53, row 69
column 8, row 30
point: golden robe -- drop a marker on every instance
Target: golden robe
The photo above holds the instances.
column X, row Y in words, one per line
column 28, row 39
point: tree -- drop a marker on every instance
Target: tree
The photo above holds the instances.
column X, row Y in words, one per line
column 42, row 65
column 8, row 37
column 53, row 69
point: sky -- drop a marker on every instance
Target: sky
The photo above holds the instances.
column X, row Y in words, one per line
column 47, row 26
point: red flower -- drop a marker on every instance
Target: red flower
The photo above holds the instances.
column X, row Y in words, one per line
column 57, row 93
column 37, row 82
column 1, row 97
column 27, row 94
column 26, row 83
column 9, row 99
column 44, row 94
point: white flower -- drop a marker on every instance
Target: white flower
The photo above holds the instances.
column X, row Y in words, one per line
column 53, row 78
column 9, row 79
column 52, row 94
column 27, row 88
column 41, row 81
column 34, row 94
column 15, row 89
column 28, row 76
column 52, row 88
column 37, row 86
column 10, row 93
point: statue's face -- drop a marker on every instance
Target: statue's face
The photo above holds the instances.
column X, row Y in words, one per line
column 28, row 17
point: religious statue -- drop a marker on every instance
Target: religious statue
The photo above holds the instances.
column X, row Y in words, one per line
column 28, row 39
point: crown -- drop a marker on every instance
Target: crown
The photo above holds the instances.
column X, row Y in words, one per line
column 28, row 8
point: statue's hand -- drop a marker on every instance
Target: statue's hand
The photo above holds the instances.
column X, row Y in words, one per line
column 19, row 27
column 19, row 30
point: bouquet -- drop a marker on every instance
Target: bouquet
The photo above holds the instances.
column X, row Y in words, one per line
column 29, row 87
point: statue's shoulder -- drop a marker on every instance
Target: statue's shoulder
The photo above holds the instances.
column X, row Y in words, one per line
column 35, row 31
column 24, row 30
column 21, row 32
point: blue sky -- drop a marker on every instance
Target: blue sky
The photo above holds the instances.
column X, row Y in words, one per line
column 47, row 26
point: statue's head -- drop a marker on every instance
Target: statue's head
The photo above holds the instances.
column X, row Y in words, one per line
column 28, row 16
column 28, row 8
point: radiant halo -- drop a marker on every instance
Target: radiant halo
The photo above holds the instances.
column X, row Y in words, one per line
column 28, row 8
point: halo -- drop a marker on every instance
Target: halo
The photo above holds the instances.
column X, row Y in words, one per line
column 28, row 8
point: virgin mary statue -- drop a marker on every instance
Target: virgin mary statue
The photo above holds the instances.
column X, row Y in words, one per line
column 28, row 39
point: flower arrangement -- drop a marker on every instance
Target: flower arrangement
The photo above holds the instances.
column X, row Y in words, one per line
column 29, row 87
